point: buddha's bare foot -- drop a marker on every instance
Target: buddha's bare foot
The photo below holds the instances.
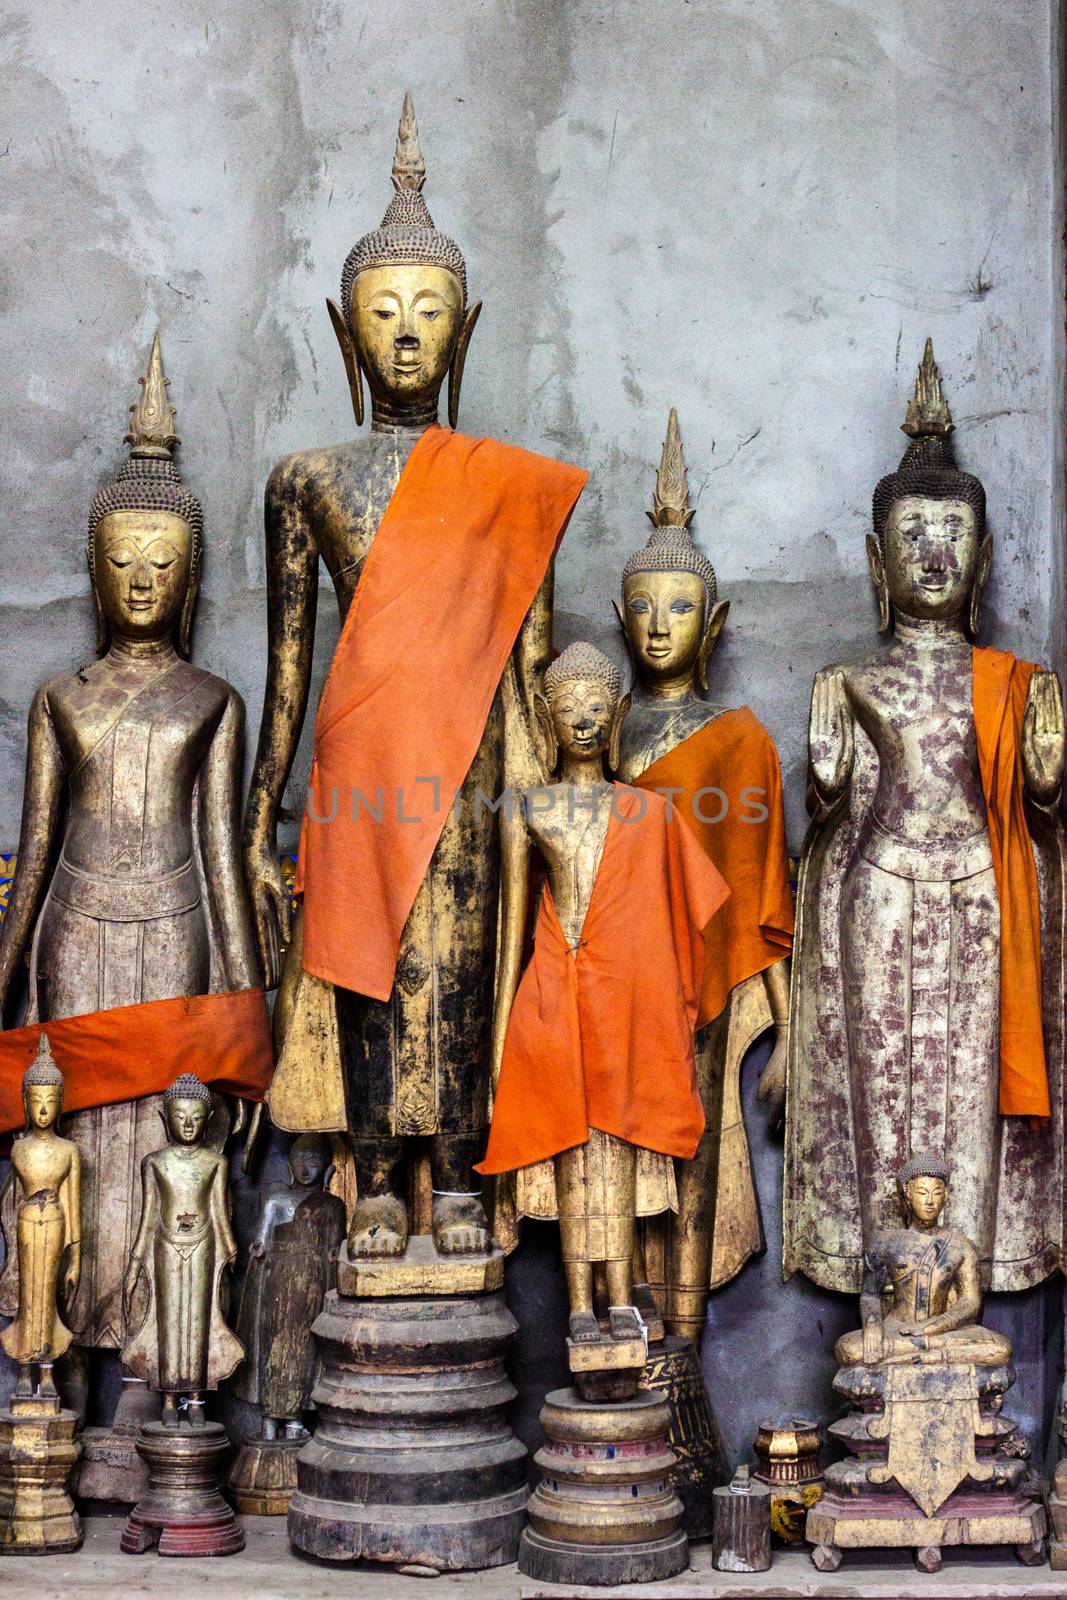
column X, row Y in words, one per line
column 379, row 1226
column 296, row 1430
column 583, row 1327
column 624, row 1322
column 24, row 1387
column 46, row 1388
column 169, row 1416
column 137, row 1405
column 196, row 1412
column 460, row 1225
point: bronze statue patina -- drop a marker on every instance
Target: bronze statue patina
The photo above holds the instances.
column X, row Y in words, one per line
column 183, row 1247
column 147, row 901
column 47, row 1172
column 929, row 942
column 721, row 769
column 402, row 1052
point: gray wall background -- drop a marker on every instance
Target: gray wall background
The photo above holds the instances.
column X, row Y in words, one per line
column 751, row 209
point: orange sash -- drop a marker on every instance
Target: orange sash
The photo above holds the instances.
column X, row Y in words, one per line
column 729, row 770
column 456, row 562
column 604, row 1038
column 131, row 1051
column 999, row 688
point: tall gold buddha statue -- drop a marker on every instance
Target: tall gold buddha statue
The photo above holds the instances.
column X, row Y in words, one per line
column 46, row 1170
column 928, row 979
column 132, row 779
column 439, row 547
column 721, row 770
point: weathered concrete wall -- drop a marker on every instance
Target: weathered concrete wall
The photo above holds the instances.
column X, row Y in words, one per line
column 751, row 209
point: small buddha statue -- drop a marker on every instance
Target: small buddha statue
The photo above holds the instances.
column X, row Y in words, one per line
column 383, row 1015
column 47, row 1172
column 721, row 768
column 132, row 779
column 922, row 1295
column 927, row 993
column 291, row 1265
column 593, row 1050
column 183, row 1246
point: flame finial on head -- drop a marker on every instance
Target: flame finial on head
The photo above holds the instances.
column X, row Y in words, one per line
column 152, row 426
column 409, row 169
column 928, row 415
column 670, row 501
column 670, row 546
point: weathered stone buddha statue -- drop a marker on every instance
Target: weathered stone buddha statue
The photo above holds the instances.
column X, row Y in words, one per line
column 439, row 547
column 922, row 1295
column 617, row 963
column 132, row 778
column 721, row 770
column 929, row 932
column 183, row 1246
column 46, row 1170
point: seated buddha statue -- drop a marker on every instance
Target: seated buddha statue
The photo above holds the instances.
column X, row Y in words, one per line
column 921, row 1294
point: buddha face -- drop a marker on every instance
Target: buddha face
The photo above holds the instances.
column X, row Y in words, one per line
column 664, row 615
column 308, row 1163
column 142, row 561
column 926, row 1197
column 582, row 715
column 406, row 320
column 43, row 1102
column 186, row 1119
column 931, row 555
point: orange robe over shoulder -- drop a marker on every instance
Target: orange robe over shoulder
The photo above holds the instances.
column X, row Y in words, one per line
column 452, row 570
column 999, row 687
column 130, row 1051
column 604, row 1038
column 726, row 783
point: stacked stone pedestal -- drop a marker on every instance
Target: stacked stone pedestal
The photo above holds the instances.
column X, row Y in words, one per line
column 37, row 1452
column 605, row 1510
column 413, row 1461
column 991, row 1502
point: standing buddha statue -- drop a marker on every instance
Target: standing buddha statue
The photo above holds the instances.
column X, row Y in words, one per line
column 929, row 938
column 440, row 550
column 721, row 770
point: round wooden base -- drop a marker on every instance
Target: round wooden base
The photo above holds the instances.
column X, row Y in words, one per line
column 604, row 1511
column 413, row 1461
column 183, row 1513
column 37, row 1452
column 262, row 1480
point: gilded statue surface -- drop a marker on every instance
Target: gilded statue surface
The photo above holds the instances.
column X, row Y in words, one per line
column 414, row 1064
column 132, row 778
column 291, row 1265
column 183, row 1247
column 46, row 1171
column 721, row 769
column 927, row 1001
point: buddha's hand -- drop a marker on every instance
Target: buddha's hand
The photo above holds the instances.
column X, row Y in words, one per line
column 73, row 1273
column 873, row 1344
column 270, row 906
column 1043, row 738
column 772, row 1082
column 129, row 1285
column 831, row 746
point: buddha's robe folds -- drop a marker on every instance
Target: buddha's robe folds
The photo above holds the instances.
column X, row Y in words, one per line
column 725, row 782
column 399, row 856
column 927, row 1013
column 602, row 1036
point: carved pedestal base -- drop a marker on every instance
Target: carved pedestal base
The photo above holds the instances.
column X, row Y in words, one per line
column 606, row 1369
column 262, row 1480
column 37, row 1451
column 110, row 1468
column 604, row 1511
column 1057, row 1510
column 183, row 1512
column 413, row 1461
column 673, row 1371
column 843, row 1522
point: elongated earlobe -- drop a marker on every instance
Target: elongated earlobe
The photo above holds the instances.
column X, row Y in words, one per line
column 877, row 569
column 985, row 561
column 350, row 359
column 719, row 613
column 546, row 733
column 459, row 361
column 615, row 741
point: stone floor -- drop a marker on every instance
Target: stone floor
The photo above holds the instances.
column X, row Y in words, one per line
column 268, row 1570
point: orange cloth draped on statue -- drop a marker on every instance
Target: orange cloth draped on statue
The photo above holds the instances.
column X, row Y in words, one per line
column 999, row 687
column 604, row 1038
column 456, row 562
column 109, row 1056
column 728, row 770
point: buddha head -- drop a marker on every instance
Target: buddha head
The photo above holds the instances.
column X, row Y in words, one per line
column 42, row 1089
column 923, row 1186
column 929, row 554
column 670, row 612
column 580, row 714
column 404, row 322
column 146, row 531
column 187, row 1109
column 309, row 1160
